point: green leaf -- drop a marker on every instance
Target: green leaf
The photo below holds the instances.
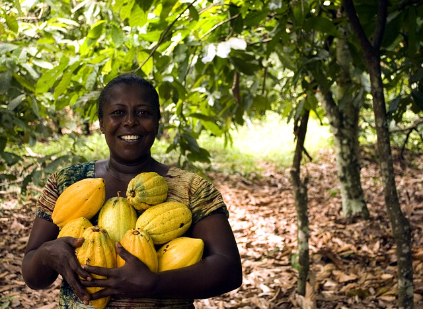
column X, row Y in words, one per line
column 3, row 143
column 321, row 24
column 248, row 68
column 55, row 164
column 34, row 106
column 12, row 23
column 255, row 18
column 15, row 102
column 117, row 36
column 24, row 82
column 95, row 31
column 138, row 17
column 48, row 79
column 5, row 80
column 148, row 66
column 116, row 7
column 91, row 79
column 144, row 4
column 208, row 122
column 7, row 47
column 394, row 105
column 126, row 10
column 65, row 80
column 10, row 158
column 200, row 156
column 193, row 13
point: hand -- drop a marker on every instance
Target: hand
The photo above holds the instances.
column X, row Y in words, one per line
column 60, row 256
column 133, row 280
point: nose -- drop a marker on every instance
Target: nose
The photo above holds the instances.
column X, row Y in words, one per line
column 130, row 120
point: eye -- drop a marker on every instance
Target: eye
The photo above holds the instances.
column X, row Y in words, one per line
column 117, row 112
column 143, row 112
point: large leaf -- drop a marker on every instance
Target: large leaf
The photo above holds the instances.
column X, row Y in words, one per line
column 321, row 24
column 138, row 16
column 48, row 79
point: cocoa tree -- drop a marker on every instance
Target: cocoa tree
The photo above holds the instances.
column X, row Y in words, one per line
column 399, row 224
column 300, row 192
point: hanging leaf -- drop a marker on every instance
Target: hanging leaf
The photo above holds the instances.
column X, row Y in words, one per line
column 24, row 82
column 138, row 17
column 144, row 4
column 65, row 80
column 12, row 23
column 255, row 18
column 48, row 79
column 15, row 102
column 126, row 10
column 321, row 24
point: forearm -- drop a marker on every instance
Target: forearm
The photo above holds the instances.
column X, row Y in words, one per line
column 35, row 273
column 210, row 277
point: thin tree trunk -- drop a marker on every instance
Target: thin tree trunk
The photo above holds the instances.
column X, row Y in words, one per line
column 399, row 224
column 343, row 118
column 344, row 126
column 301, row 201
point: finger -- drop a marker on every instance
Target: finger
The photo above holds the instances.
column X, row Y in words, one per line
column 95, row 283
column 102, row 293
column 74, row 242
column 79, row 270
column 102, row 271
column 123, row 253
column 78, row 289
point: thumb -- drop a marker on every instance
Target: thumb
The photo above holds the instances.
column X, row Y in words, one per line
column 122, row 252
column 74, row 242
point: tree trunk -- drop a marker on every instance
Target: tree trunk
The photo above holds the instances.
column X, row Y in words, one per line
column 343, row 118
column 399, row 224
column 301, row 202
column 344, row 126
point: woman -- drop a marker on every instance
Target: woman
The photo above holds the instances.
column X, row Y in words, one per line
column 128, row 111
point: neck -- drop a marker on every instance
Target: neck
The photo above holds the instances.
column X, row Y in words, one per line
column 127, row 172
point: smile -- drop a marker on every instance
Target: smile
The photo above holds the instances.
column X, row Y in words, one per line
column 130, row 137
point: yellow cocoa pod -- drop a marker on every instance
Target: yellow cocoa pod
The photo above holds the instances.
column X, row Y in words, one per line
column 140, row 244
column 75, row 228
column 147, row 189
column 117, row 216
column 180, row 252
column 83, row 198
column 97, row 250
column 165, row 221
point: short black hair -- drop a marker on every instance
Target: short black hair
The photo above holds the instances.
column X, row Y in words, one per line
column 130, row 80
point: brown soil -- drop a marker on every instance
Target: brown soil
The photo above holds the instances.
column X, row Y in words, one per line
column 353, row 262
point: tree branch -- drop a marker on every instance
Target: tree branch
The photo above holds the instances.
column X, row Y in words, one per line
column 163, row 36
column 356, row 25
column 219, row 25
column 381, row 24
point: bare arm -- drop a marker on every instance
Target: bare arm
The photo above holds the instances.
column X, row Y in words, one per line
column 46, row 257
column 218, row 272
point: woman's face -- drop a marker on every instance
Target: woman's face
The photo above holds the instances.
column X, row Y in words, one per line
column 129, row 123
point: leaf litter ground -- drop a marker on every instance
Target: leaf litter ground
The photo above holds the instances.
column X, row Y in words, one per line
column 353, row 262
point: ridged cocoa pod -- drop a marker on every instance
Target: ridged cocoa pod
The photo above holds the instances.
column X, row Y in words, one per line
column 147, row 189
column 180, row 252
column 117, row 216
column 97, row 250
column 165, row 221
column 83, row 198
column 75, row 228
column 140, row 244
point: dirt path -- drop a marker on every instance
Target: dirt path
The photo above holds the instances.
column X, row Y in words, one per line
column 353, row 263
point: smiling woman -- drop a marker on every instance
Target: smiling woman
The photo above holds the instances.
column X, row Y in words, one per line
column 129, row 115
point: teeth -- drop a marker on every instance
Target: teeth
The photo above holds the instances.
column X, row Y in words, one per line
column 129, row 137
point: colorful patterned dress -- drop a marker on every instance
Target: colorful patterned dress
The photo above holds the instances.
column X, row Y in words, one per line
column 188, row 188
